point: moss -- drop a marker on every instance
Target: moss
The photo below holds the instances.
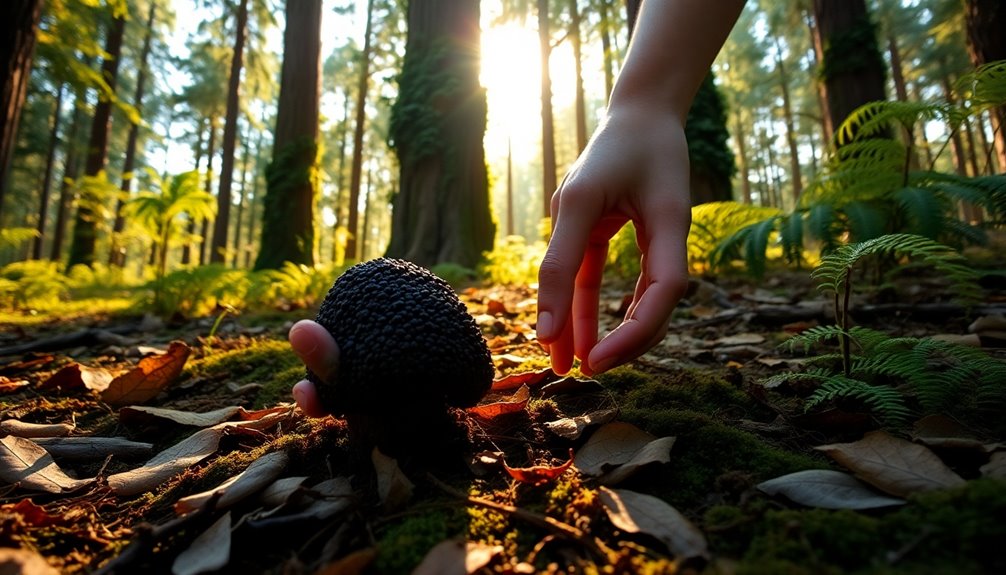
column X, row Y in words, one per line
column 268, row 362
column 403, row 545
column 623, row 379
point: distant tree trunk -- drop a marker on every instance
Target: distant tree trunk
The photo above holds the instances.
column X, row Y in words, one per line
column 356, row 167
column 253, row 201
column 956, row 143
column 441, row 213
column 85, row 226
column 17, row 50
column 204, row 234
column 607, row 56
column 71, row 169
column 852, row 67
column 901, row 92
column 50, row 160
column 291, row 183
column 787, row 111
column 365, row 229
column 509, row 189
column 340, row 184
column 827, row 129
column 581, row 104
column 986, row 22
column 191, row 225
column 988, row 151
column 549, row 181
column 742, row 154
column 117, row 254
column 239, row 220
column 221, row 225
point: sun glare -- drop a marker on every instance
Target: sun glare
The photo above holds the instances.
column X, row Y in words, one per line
column 511, row 72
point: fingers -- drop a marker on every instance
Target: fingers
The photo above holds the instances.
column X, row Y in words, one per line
column 586, row 298
column 320, row 354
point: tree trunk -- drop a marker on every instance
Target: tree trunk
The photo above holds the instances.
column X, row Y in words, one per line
column 509, row 189
column 117, row 253
column 441, row 213
column 607, row 56
column 787, row 110
column 191, row 225
column 742, row 154
column 365, row 229
column 827, row 129
column 239, row 220
column 85, row 226
column 218, row 248
column 340, row 185
column 291, row 181
column 852, row 67
column 253, row 201
column 204, row 234
column 549, row 181
column 985, row 21
column 581, row 105
column 356, row 168
column 71, row 169
column 17, row 50
column 50, row 160
column 956, row 144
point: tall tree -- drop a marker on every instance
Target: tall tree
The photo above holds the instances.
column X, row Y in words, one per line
column 291, row 177
column 218, row 248
column 17, row 49
column 851, row 66
column 441, row 213
column 581, row 106
column 50, row 160
column 356, row 165
column 82, row 248
column 986, row 22
column 549, row 180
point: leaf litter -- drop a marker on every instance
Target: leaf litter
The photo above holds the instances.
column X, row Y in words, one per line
column 529, row 420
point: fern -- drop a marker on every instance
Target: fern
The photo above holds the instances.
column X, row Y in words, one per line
column 887, row 403
column 814, row 335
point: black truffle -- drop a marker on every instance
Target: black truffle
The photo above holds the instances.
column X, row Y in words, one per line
column 406, row 342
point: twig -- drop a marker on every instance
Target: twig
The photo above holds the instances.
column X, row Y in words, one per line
column 564, row 530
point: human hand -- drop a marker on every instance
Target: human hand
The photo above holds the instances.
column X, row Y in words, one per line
column 634, row 168
column 319, row 352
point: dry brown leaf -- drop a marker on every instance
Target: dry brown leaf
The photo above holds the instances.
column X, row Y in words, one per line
column 24, row 562
column 393, row 487
column 334, row 496
column 24, row 462
column 996, row 467
column 640, row 513
column 150, row 376
column 209, row 552
column 571, row 386
column 259, row 475
column 620, row 443
column 893, row 465
column 76, row 376
column 457, row 558
column 740, row 339
column 137, row 414
column 167, row 463
column 538, row 474
column 12, row 385
column 827, row 489
column 656, row 451
column 31, row 514
column 508, row 360
column 572, row 427
column 529, row 378
column 35, row 430
column 513, row 404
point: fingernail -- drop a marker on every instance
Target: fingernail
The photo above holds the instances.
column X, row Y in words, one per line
column 544, row 325
column 299, row 345
column 603, row 365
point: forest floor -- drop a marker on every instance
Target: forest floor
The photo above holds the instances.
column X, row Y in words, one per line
column 119, row 431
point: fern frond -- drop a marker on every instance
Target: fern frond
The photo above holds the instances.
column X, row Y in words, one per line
column 866, row 220
column 813, row 336
column 924, row 210
column 874, row 118
column 885, row 402
column 985, row 87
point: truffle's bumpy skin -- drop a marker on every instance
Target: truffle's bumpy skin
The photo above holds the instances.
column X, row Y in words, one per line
column 405, row 339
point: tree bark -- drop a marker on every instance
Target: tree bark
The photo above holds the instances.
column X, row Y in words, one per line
column 581, row 105
column 204, row 233
column 742, row 154
column 607, row 55
column 191, row 225
column 986, row 21
column 356, row 167
column 117, row 253
column 218, row 248
column 288, row 218
column 441, row 213
column 82, row 247
column 50, row 160
column 827, row 129
column 548, row 163
column 71, row 169
column 17, row 50
column 852, row 67
column 340, row 185
column 787, row 110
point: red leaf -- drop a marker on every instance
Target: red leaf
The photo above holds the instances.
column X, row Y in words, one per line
column 530, row 378
column 538, row 474
column 76, row 376
column 150, row 376
column 513, row 404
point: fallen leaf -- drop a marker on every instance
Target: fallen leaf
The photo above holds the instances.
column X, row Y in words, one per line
column 150, row 376
column 495, row 307
column 571, row 386
column 969, row 340
column 279, row 491
column 893, row 465
column 996, row 467
column 92, row 448
column 508, row 360
column 26, row 365
column 393, row 487
column 656, row 451
column 259, row 475
column 24, row 462
column 572, row 427
column 136, row 414
column 513, row 404
column 530, row 378
column 209, row 552
column 23, row 561
column 457, row 558
column 634, row 512
column 827, row 489
column 620, row 443
column 538, row 474
column 740, row 339
column 33, row 430
column 333, row 496
column 31, row 514
column 485, row 461
column 167, row 463
column 76, row 376
column 12, row 385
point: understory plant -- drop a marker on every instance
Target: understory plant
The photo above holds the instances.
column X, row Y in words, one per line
column 873, row 184
column 897, row 378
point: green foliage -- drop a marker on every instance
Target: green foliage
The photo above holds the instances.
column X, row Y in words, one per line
column 293, row 180
column 707, row 135
column 416, row 130
column 16, row 237
column 197, row 291
column 455, row 274
column 623, row 253
column 291, row 286
column 32, row 285
column 513, row 261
